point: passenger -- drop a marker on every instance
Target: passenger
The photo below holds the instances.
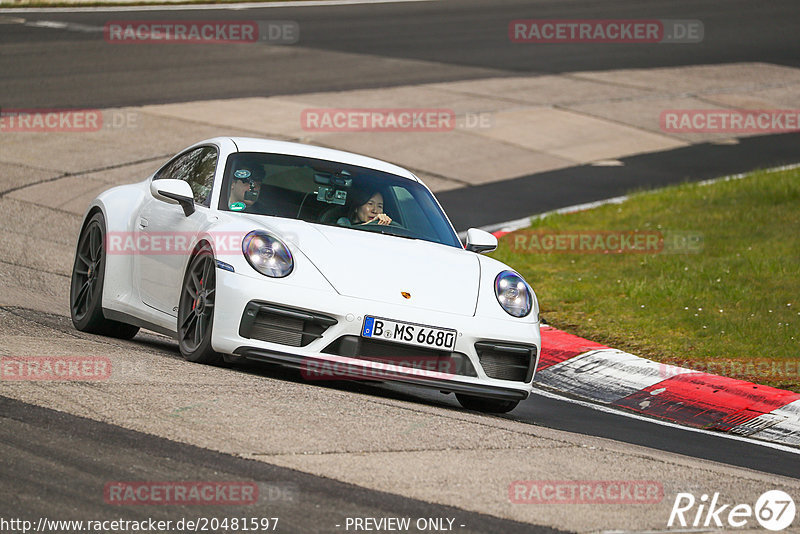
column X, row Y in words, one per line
column 367, row 209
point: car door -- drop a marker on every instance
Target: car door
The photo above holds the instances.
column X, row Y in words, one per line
column 166, row 234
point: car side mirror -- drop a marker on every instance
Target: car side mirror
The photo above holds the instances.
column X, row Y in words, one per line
column 174, row 192
column 480, row 241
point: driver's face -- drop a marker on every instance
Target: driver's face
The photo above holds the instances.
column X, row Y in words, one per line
column 371, row 209
column 240, row 187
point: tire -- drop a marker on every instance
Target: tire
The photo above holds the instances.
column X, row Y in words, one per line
column 196, row 309
column 86, row 285
column 480, row 404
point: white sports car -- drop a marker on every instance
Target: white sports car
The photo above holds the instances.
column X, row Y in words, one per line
column 337, row 264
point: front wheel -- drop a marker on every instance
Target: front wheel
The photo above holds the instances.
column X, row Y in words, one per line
column 480, row 404
column 86, row 284
column 196, row 309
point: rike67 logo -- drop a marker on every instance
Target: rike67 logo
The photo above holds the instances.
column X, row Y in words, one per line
column 774, row 510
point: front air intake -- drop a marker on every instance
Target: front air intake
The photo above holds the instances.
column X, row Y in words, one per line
column 505, row 361
column 285, row 326
column 402, row 355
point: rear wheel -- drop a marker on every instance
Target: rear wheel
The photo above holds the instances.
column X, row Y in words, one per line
column 86, row 286
column 196, row 309
column 480, row 404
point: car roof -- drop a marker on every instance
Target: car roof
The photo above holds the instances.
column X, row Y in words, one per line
column 271, row 146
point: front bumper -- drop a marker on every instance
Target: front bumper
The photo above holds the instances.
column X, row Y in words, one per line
column 390, row 373
column 339, row 317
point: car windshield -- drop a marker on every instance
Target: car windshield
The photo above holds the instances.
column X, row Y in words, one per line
column 335, row 194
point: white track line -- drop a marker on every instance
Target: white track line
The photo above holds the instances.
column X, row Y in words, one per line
column 516, row 224
column 606, row 409
column 69, row 26
column 201, row 7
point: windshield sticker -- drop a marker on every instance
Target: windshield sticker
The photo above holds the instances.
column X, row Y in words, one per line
column 237, row 206
column 242, row 173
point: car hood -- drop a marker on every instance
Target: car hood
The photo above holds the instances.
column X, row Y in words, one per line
column 378, row 267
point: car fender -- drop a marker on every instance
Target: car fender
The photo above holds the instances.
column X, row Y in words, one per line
column 119, row 206
column 225, row 235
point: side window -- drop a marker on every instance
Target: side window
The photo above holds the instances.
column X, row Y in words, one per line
column 196, row 167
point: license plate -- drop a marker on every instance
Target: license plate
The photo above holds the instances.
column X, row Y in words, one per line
column 409, row 333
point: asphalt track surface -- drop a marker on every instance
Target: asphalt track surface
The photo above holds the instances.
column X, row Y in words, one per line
column 63, row 476
column 538, row 193
column 559, row 415
column 59, row 463
column 46, row 67
column 364, row 46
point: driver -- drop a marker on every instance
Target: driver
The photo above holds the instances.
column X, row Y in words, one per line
column 368, row 209
column 245, row 185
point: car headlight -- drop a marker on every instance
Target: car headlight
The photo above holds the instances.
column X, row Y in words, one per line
column 513, row 294
column 267, row 254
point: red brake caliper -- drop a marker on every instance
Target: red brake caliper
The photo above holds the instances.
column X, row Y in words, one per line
column 194, row 302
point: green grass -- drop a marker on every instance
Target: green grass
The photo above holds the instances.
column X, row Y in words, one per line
column 724, row 308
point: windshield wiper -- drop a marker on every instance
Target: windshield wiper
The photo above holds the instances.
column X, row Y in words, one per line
column 398, row 235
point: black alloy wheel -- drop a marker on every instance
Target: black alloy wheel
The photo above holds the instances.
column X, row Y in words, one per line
column 86, row 286
column 196, row 308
